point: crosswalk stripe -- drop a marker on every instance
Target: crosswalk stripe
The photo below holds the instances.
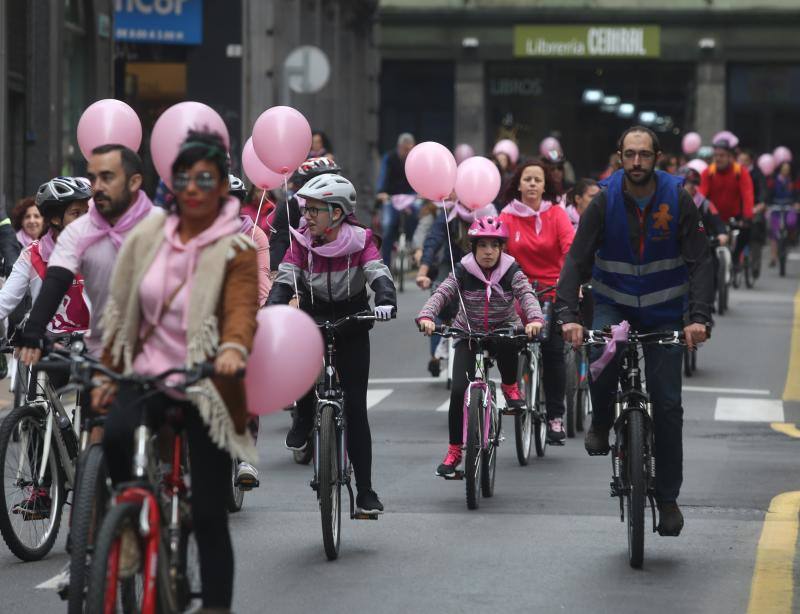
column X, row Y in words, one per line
column 722, row 390
column 444, row 406
column 376, row 395
column 736, row 409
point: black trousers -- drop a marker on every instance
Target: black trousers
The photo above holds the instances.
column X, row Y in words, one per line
column 352, row 365
column 554, row 372
column 506, row 353
column 210, row 472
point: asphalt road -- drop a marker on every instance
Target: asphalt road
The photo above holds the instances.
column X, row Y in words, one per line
column 550, row 540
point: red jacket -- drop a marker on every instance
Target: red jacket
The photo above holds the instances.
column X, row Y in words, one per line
column 730, row 190
column 540, row 256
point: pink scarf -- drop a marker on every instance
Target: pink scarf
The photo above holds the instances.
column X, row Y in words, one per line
column 46, row 245
column 100, row 227
column 247, row 224
column 351, row 239
column 619, row 334
column 227, row 223
column 467, row 215
column 519, row 209
column 24, row 238
column 493, row 281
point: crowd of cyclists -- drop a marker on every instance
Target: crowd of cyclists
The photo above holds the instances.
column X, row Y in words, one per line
column 158, row 285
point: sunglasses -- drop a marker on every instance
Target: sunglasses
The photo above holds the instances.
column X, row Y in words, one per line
column 204, row 181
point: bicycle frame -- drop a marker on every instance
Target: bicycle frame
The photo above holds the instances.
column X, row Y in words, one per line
column 480, row 382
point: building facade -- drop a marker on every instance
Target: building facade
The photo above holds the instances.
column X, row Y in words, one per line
column 478, row 70
column 55, row 59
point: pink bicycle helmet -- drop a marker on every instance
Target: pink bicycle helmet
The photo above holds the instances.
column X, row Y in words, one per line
column 488, row 227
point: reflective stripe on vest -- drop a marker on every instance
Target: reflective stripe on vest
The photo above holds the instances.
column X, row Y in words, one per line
column 646, row 300
column 626, row 268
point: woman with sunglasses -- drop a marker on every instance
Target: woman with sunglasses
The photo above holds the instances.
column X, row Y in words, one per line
column 184, row 291
column 325, row 272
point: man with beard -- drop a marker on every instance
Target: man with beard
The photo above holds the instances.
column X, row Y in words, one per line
column 642, row 235
column 89, row 245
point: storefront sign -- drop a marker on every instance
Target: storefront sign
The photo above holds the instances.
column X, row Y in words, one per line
column 577, row 41
column 525, row 86
column 172, row 22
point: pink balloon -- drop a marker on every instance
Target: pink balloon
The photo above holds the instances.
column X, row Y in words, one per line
column 172, row 128
column 726, row 135
column 108, row 121
column 782, row 154
column 462, row 152
column 691, row 143
column 282, row 139
column 258, row 174
column 549, row 144
column 285, row 361
column 508, row 147
column 431, row 170
column 697, row 164
column 766, row 163
column 477, row 182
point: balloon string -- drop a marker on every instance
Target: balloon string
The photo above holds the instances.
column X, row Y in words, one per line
column 453, row 264
column 289, row 230
column 258, row 213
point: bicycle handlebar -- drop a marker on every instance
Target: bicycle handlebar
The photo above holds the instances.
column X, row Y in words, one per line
column 666, row 337
column 514, row 333
column 363, row 316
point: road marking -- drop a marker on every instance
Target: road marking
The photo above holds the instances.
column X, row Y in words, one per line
column 787, row 428
column 406, row 380
column 792, row 390
column 713, row 390
column 444, row 406
column 793, row 256
column 376, row 395
column 772, row 589
column 734, row 409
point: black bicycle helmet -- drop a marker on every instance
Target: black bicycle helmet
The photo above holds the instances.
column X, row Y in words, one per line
column 53, row 196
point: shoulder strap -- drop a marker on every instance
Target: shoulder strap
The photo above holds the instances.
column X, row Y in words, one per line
column 39, row 265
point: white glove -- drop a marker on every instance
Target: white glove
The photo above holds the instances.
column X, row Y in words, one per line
column 384, row 312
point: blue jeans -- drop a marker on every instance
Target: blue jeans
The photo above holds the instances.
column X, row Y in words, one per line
column 390, row 224
column 662, row 368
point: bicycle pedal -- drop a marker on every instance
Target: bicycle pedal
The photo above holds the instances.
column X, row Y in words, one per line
column 247, row 485
column 458, row 475
column 554, row 442
column 510, row 411
column 599, row 453
column 361, row 515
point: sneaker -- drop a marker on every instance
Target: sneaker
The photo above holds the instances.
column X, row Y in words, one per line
column 513, row 396
column 450, row 462
column 297, row 437
column 35, row 507
column 596, row 440
column 555, row 431
column 368, row 502
column 670, row 519
column 434, row 368
column 246, row 476
column 130, row 557
column 442, row 350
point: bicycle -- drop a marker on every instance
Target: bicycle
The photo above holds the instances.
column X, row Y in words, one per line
column 39, row 446
column 578, row 405
column 748, row 262
column 156, row 507
column 723, row 274
column 783, row 234
column 632, row 459
column 332, row 468
column 401, row 256
column 482, row 416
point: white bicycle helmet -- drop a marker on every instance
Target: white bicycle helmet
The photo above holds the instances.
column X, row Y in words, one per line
column 60, row 191
column 333, row 190
column 236, row 187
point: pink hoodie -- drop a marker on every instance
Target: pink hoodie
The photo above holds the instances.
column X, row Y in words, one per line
column 174, row 263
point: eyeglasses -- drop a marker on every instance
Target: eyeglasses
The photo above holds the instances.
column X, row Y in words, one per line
column 630, row 154
column 313, row 212
column 204, row 180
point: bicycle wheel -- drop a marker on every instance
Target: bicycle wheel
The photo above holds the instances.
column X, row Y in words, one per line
column 584, row 407
column 749, row 280
column 687, row 362
column 401, row 270
column 188, row 585
column 540, row 419
column 523, row 421
column 31, row 510
column 123, row 594
column 722, row 289
column 570, row 414
column 636, row 496
column 473, row 456
column 91, row 499
column 755, row 259
column 235, row 493
column 782, row 249
column 489, row 455
column 330, row 489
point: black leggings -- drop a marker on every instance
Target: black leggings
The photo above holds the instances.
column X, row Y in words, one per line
column 210, row 472
column 506, row 353
column 352, row 364
column 554, row 372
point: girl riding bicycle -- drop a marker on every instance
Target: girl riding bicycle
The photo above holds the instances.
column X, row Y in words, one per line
column 325, row 272
column 489, row 281
column 185, row 291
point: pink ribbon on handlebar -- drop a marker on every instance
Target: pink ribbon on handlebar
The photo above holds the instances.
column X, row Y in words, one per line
column 619, row 333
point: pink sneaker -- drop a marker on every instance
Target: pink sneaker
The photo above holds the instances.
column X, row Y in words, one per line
column 450, row 462
column 513, row 396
